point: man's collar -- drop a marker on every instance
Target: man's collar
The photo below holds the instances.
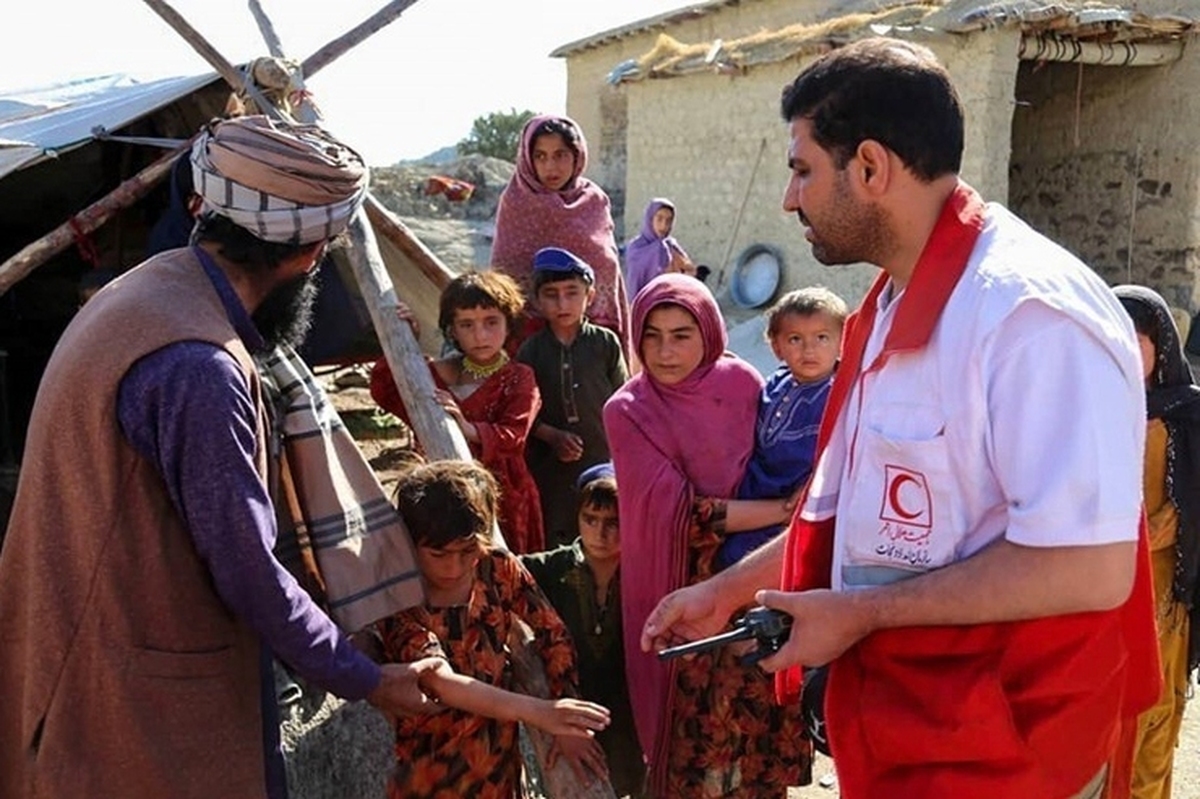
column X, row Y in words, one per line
column 239, row 317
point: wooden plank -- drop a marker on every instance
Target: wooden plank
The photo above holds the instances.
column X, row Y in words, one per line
column 395, row 231
column 89, row 219
column 274, row 46
column 338, row 47
column 439, row 435
column 232, row 75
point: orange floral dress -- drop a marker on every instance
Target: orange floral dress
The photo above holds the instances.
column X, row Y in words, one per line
column 729, row 738
column 452, row 754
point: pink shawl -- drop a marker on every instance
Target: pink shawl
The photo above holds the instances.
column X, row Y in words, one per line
column 670, row 444
column 577, row 218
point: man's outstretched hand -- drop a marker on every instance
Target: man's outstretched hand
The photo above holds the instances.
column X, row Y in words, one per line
column 685, row 615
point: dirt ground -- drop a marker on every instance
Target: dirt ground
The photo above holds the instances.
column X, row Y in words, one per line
column 386, row 444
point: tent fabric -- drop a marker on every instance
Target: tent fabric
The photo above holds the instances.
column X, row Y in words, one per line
column 39, row 123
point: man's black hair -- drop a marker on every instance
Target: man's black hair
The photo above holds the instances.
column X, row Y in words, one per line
column 887, row 90
column 241, row 246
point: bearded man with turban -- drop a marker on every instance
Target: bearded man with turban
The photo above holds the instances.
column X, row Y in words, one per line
column 140, row 601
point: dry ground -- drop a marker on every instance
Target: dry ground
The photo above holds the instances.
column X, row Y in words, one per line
column 384, row 443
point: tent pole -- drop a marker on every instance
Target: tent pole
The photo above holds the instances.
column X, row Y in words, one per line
column 391, row 228
column 89, row 219
column 336, row 48
column 439, row 436
column 274, row 46
column 232, row 75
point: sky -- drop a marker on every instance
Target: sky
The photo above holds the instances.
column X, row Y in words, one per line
column 412, row 88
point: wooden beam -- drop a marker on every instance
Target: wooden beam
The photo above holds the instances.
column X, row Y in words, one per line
column 335, row 49
column 274, row 46
column 86, row 221
column 391, row 228
column 232, row 75
column 438, row 433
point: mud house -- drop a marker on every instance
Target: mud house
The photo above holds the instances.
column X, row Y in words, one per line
column 1081, row 117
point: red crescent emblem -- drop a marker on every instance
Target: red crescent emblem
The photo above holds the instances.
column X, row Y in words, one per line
column 894, row 496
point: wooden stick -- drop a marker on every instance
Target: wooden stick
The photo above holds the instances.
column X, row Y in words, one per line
column 391, row 228
column 335, row 49
column 737, row 222
column 87, row 220
column 232, row 75
column 274, row 46
column 437, row 432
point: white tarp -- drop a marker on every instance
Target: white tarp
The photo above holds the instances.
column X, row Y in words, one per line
column 39, row 123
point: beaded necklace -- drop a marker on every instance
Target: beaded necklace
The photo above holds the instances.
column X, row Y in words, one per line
column 480, row 372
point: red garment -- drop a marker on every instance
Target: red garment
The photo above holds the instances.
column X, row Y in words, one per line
column 456, row 191
column 577, row 218
column 503, row 410
column 670, row 444
column 1016, row 709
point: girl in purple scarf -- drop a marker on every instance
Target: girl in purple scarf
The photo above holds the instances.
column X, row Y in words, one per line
column 655, row 250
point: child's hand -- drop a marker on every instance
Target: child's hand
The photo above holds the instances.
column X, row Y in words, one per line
column 583, row 755
column 681, row 263
column 568, row 717
column 405, row 314
column 449, row 404
column 568, row 447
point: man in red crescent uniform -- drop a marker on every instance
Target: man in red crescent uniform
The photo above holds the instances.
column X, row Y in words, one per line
column 969, row 556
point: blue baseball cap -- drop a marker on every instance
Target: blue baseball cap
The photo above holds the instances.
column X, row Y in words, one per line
column 596, row 472
column 556, row 259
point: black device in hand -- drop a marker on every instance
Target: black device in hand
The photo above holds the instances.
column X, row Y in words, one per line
column 768, row 626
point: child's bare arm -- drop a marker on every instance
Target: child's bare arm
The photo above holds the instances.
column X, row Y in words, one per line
column 570, row 717
column 751, row 514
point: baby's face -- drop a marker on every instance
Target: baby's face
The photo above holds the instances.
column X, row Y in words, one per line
column 808, row 344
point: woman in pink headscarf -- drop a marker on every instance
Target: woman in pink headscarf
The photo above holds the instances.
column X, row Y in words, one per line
column 548, row 203
column 680, row 434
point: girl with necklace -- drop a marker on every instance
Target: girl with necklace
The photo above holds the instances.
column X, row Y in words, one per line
column 493, row 400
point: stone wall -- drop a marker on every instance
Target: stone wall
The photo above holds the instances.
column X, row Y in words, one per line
column 1104, row 162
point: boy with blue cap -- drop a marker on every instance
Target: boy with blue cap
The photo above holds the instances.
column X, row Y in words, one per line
column 578, row 366
column 582, row 581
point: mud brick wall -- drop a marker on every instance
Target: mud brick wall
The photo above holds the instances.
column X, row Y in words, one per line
column 1105, row 162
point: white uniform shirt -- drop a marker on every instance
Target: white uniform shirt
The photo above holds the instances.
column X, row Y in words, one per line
column 1023, row 416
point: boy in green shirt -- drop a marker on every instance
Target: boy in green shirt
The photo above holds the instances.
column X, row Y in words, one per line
column 578, row 366
column 582, row 582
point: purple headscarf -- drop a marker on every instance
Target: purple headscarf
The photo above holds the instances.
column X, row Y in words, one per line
column 671, row 443
column 648, row 255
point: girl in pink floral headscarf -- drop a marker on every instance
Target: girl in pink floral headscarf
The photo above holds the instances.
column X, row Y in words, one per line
column 680, row 434
column 548, row 203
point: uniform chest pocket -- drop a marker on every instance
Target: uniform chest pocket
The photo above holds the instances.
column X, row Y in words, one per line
column 902, row 516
